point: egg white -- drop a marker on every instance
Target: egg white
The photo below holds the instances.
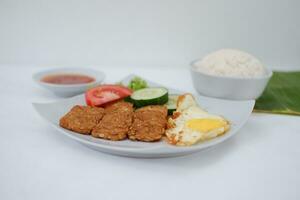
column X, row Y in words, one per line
column 187, row 109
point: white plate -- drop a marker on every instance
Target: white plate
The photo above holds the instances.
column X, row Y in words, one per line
column 237, row 112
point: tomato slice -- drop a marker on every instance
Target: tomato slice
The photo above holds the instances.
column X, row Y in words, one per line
column 106, row 93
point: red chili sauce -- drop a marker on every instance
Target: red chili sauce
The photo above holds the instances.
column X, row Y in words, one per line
column 67, row 79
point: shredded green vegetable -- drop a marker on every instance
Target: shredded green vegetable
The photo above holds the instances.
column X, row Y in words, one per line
column 137, row 83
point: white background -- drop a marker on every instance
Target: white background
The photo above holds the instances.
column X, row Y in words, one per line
column 36, row 162
column 146, row 33
column 261, row 162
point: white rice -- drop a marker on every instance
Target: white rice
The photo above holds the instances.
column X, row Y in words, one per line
column 231, row 63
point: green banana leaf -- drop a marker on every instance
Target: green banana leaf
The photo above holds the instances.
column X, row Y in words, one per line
column 282, row 94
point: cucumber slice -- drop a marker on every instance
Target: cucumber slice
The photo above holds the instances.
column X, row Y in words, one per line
column 149, row 96
column 172, row 103
column 128, row 99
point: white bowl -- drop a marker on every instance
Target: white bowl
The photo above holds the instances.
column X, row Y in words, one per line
column 229, row 87
column 71, row 89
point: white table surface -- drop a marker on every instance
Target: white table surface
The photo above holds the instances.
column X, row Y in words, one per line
column 261, row 162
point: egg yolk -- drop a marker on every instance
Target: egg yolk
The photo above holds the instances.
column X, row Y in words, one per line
column 205, row 125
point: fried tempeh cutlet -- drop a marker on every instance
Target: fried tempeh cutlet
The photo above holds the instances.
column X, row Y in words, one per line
column 82, row 119
column 149, row 123
column 116, row 122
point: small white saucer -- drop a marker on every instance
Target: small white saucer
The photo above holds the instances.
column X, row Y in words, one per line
column 71, row 89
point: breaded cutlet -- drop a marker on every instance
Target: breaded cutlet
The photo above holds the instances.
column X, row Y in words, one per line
column 116, row 122
column 119, row 106
column 149, row 123
column 82, row 119
column 157, row 108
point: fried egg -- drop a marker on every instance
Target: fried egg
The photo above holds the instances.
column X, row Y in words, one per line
column 191, row 124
